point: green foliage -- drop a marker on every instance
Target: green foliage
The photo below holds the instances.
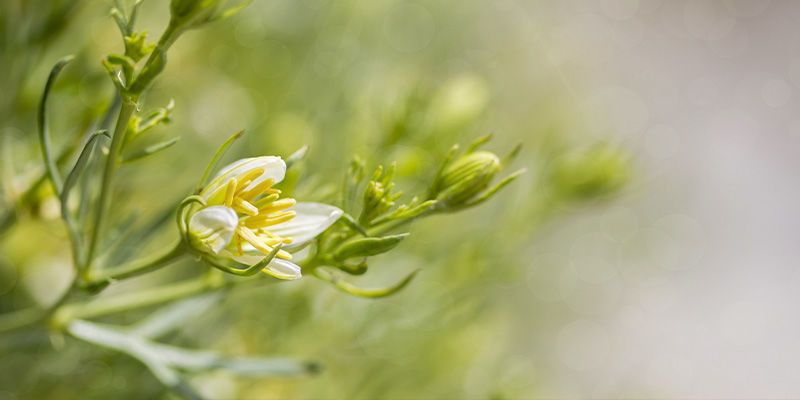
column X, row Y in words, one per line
column 331, row 80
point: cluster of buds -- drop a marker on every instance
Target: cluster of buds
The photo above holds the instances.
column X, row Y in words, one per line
column 465, row 182
column 241, row 218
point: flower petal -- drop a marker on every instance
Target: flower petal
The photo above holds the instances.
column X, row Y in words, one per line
column 311, row 220
column 273, row 166
column 212, row 228
column 278, row 267
column 283, row 269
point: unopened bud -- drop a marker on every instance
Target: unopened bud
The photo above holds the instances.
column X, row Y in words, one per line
column 466, row 177
column 590, row 173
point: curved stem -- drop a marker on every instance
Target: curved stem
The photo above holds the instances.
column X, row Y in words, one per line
column 140, row 266
column 130, row 301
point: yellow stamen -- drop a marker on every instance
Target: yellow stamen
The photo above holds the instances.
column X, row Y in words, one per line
column 230, row 191
column 242, row 186
column 266, row 200
column 259, row 243
column 279, row 205
column 249, row 176
column 267, row 220
column 251, row 238
column 284, row 254
column 250, row 194
column 244, row 206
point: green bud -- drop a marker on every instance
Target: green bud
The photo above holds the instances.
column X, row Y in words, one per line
column 193, row 12
column 590, row 173
column 366, row 247
column 188, row 14
column 378, row 196
column 135, row 46
column 466, row 177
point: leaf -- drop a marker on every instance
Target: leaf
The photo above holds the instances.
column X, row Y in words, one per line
column 165, row 360
column 137, row 348
column 80, row 165
column 44, row 135
column 172, row 316
column 348, row 220
column 296, row 156
column 249, row 271
column 479, row 142
column 361, row 292
column 369, row 246
column 150, row 150
column 214, row 160
column 491, row 192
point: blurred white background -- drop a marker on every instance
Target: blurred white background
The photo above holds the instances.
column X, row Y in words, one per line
column 688, row 286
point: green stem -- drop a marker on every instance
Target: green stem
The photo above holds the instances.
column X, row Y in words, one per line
column 125, row 113
column 130, row 301
column 140, row 266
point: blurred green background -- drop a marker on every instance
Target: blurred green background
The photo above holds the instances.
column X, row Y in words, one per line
column 387, row 80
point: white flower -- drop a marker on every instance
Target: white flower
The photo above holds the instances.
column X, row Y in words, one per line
column 245, row 217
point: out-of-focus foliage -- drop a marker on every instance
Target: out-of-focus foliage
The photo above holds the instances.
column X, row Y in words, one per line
column 387, row 80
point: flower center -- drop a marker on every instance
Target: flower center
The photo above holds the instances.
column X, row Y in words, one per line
column 263, row 208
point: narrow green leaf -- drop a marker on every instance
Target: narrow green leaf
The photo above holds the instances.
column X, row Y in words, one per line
column 361, row 292
column 359, row 269
column 249, row 271
column 369, row 246
column 434, row 188
column 79, row 167
column 491, row 192
column 479, row 142
column 69, row 183
column 296, row 156
column 513, row 154
column 150, row 150
column 348, row 220
column 413, row 211
column 231, row 11
column 172, row 316
column 217, row 156
column 44, row 135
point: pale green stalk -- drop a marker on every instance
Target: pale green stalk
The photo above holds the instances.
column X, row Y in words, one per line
column 125, row 113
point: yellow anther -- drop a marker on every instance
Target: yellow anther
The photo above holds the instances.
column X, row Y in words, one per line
column 256, row 190
column 240, row 188
column 261, row 221
column 230, row 191
column 244, row 206
column 279, row 205
column 266, row 200
column 251, row 238
column 284, row 254
column 273, row 242
column 250, row 176
column 259, row 243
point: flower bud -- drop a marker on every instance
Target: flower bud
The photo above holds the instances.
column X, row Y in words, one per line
column 590, row 173
column 212, row 228
column 193, row 11
column 466, row 177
